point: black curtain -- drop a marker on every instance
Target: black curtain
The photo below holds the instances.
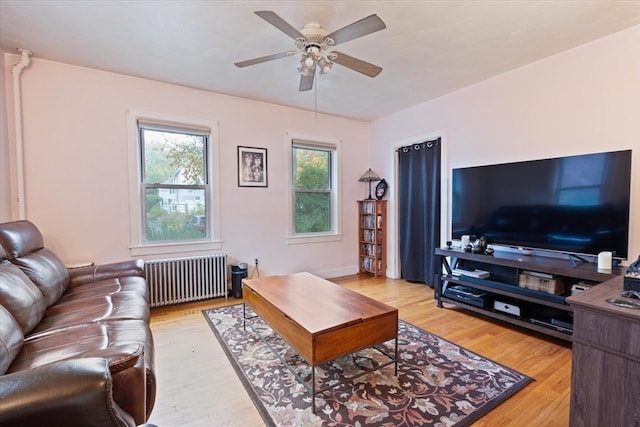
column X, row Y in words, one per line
column 419, row 210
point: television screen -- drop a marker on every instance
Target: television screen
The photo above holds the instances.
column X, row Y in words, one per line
column 577, row 204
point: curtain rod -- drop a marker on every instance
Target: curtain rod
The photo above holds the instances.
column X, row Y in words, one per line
column 429, row 144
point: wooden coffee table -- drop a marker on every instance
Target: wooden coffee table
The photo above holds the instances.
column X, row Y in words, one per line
column 321, row 320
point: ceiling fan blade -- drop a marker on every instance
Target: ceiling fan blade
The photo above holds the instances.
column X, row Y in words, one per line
column 306, row 82
column 356, row 64
column 279, row 23
column 255, row 61
column 360, row 28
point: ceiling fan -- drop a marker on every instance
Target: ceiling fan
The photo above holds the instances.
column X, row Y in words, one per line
column 313, row 42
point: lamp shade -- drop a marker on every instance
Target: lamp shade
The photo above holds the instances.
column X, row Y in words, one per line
column 369, row 176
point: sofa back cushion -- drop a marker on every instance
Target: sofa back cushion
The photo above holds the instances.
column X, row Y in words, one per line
column 19, row 238
column 21, row 297
column 24, row 247
column 11, row 339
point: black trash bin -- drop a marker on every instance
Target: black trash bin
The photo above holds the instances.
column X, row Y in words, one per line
column 238, row 272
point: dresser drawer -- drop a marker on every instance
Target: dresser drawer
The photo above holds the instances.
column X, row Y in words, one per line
column 615, row 334
column 294, row 334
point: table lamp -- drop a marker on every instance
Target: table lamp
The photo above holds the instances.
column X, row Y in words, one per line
column 369, row 176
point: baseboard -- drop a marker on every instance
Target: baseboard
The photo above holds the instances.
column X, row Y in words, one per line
column 336, row 272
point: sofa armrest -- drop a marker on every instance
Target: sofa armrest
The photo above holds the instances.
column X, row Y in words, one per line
column 72, row 393
column 132, row 382
column 94, row 273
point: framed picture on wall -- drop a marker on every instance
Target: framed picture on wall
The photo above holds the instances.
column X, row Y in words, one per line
column 381, row 189
column 252, row 167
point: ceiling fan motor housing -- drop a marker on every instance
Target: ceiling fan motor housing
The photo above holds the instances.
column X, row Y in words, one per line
column 313, row 46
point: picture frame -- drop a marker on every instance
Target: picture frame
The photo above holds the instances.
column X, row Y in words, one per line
column 252, row 167
column 381, row 189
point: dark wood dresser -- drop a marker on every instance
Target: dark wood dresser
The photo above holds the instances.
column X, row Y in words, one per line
column 605, row 377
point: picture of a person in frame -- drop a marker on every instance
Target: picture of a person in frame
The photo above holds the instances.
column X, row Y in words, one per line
column 247, row 171
column 252, row 167
column 257, row 168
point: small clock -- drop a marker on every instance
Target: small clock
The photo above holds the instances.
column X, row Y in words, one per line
column 381, row 189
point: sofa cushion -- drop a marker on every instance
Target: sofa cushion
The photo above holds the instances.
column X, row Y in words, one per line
column 106, row 287
column 24, row 247
column 20, row 297
column 11, row 339
column 47, row 271
column 88, row 340
column 19, row 238
column 123, row 305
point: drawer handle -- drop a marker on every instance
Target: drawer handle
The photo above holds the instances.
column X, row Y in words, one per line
column 290, row 319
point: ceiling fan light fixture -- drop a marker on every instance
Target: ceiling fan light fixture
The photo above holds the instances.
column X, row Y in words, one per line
column 325, row 66
column 307, row 64
column 305, row 71
column 309, row 61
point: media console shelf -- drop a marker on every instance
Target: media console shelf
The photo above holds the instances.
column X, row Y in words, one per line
column 543, row 312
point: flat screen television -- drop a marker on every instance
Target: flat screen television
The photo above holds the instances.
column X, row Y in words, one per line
column 576, row 205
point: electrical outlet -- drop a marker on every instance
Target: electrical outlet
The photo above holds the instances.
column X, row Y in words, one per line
column 256, row 262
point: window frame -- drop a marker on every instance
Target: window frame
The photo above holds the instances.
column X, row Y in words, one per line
column 334, row 146
column 139, row 245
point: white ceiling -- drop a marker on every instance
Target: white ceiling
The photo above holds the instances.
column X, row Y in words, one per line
column 428, row 49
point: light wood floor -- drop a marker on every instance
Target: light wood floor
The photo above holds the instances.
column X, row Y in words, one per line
column 198, row 387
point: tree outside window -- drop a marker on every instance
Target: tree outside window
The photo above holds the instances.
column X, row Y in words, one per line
column 174, row 184
column 312, row 189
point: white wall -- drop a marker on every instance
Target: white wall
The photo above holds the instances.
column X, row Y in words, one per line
column 77, row 169
column 584, row 100
column 5, row 176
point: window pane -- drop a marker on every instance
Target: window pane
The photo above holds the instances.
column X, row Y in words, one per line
column 175, row 214
column 312, row 212
column 581, row 180
column 586, row 196
column 311, row 168
column 173, row 158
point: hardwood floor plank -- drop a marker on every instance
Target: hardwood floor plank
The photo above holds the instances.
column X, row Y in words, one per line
column 197, row 385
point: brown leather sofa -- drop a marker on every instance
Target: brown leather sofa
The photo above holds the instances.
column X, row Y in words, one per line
column 75, row 345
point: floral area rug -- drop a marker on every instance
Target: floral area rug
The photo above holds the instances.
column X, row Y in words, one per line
column 438, row 383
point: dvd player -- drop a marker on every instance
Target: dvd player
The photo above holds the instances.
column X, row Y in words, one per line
column 468, row 295
column 551, row 325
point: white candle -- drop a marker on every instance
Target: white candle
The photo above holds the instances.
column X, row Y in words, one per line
column 604, row 260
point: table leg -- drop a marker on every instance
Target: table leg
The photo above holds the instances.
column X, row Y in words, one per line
column 313, row 389
column 396, row 356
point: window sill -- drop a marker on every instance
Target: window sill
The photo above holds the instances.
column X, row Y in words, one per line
column 316, row 238
column 175, row 248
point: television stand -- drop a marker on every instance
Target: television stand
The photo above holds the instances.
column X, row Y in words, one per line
column 537, row 310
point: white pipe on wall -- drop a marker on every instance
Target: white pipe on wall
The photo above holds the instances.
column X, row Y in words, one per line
column 19, row 145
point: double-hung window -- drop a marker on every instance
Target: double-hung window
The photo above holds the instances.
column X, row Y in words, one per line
column 314, row 191
column 175, row 204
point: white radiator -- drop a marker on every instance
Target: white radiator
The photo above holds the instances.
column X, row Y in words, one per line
column 173, row 281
